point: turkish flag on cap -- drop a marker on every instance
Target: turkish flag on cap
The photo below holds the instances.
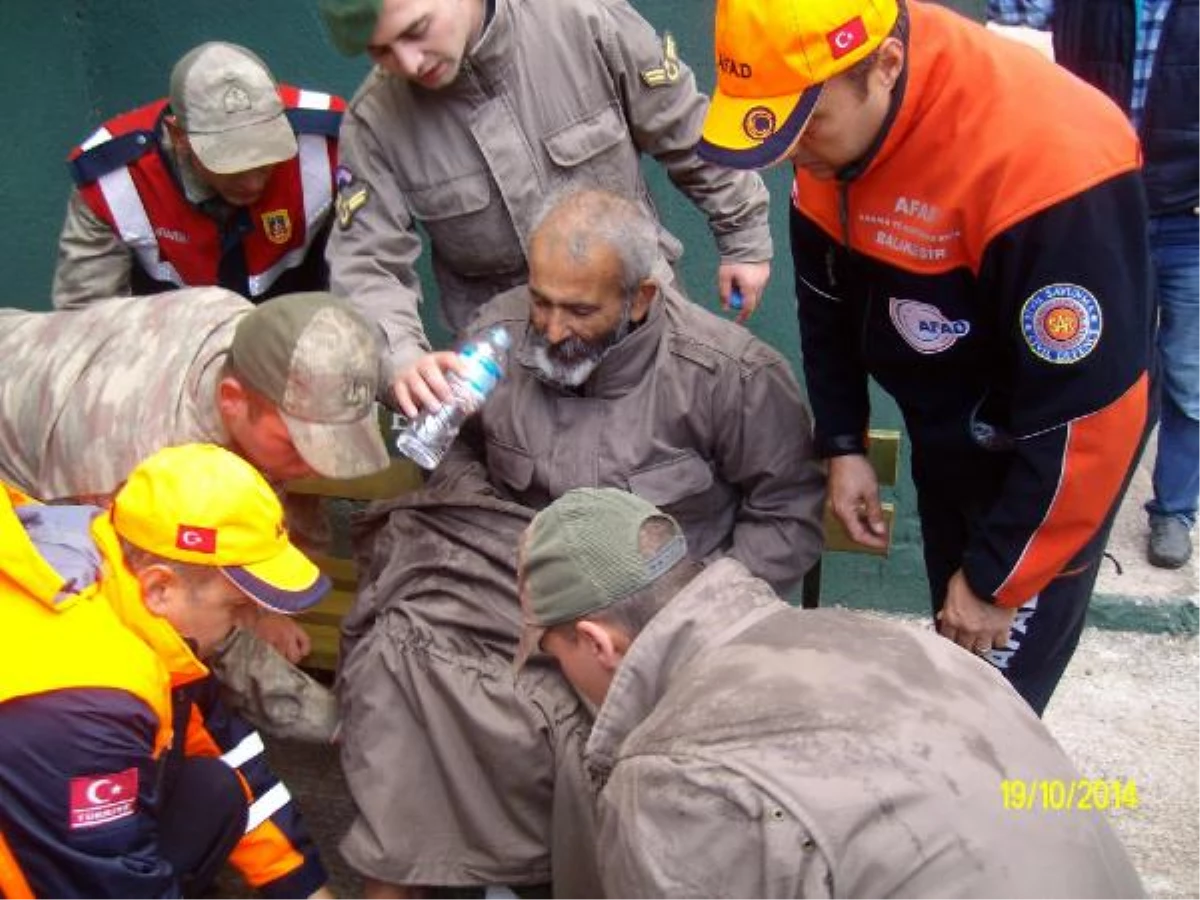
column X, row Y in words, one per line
column 193, row 537
column 843, row 40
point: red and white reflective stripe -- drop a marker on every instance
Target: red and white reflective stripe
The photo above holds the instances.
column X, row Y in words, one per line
column 316, row 183
column 99, row 136
column 129, row 216
column 314, row 100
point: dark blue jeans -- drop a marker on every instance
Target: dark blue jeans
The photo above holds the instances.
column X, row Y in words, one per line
column 1175, row 243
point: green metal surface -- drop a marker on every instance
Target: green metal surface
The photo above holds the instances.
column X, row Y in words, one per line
column 67, row 65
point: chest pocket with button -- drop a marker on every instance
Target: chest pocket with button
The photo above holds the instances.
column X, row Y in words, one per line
column 679, row 486
column 468, row 225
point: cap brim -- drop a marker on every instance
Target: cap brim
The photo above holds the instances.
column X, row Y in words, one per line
column 250, row 147
column 288, row 583
column 728, row 139
column 339, row 449
column 530, row 643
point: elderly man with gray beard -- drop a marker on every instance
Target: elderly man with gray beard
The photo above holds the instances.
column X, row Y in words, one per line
column 616, row 380
column 613, row 380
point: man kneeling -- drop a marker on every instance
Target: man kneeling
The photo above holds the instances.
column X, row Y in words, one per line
column 744, row 748
column 121, row 773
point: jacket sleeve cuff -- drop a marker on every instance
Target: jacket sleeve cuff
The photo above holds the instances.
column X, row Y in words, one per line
column 302, row 882
column 749, row 244
column 840, row 445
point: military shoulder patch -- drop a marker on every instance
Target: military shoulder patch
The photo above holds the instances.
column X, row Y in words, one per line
column 668, row 72
column 351, row 196
column 1061, row 323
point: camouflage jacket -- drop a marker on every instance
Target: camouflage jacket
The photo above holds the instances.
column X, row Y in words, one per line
column 749, row 749
column 86, row 394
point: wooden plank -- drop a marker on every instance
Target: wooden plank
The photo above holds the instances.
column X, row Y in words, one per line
column 883, row 450
column 401, row 476
column 838, row 541
column 325, row 642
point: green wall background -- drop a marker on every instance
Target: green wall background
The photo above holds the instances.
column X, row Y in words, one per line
column 67, row 65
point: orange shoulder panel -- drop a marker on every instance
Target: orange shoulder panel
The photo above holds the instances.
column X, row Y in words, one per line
column 989, row 133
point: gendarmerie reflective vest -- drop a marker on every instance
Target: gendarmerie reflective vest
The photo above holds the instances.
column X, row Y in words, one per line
column 124, row 177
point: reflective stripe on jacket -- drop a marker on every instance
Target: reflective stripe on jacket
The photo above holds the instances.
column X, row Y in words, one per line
column 98, row 693
column 125, row 179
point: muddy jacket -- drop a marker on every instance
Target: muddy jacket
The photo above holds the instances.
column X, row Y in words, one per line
column 690, row 411
column 554, row 92
column 750, row 749
column 140, row 223
column 99, row 702
column 988, row 266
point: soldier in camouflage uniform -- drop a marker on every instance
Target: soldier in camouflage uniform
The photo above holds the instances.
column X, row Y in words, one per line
column 745, row 748
column 85, row 395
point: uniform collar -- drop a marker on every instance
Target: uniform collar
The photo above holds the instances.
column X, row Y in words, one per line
column 718, row 604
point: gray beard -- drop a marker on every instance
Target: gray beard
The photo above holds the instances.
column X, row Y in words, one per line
column 583, row 356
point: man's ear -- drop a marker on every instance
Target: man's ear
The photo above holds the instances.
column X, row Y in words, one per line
column 179, row 138
column 647, row 292
column 891, row 61
column 606, row 643
column 156, row 581
column 232, row 399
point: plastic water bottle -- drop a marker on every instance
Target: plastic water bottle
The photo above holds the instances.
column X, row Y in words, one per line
column 430, row 434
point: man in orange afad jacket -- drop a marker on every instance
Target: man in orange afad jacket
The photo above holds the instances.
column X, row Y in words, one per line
column 969, row 229
column 121, row 774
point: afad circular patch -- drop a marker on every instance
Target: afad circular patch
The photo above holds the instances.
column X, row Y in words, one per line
column 1062, row 323
column 758, row 123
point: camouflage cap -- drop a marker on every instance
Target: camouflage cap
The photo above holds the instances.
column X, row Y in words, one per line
column 226, row 100
column 351, row 23
column 318, row 361
column 581, row 555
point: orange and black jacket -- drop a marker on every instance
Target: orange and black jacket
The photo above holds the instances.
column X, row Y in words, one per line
column 987, row 264
column 99, row 702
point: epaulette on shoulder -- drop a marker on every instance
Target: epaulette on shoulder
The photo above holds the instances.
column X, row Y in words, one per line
column 693, row 351
column 113, row 154
column 315, row 121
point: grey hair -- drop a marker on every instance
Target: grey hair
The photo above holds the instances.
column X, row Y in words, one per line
column 585, row 217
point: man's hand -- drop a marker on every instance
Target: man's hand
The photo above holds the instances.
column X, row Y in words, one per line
column 853, row 495
column 972, row 622
column 284, row 634
column 750, row 279
column 423, row 385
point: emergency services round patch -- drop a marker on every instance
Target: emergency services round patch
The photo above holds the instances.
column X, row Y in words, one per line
column 759, row 123
column 1062, row 323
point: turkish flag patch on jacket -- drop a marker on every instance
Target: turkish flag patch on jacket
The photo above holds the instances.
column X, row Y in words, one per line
column 843, row 40
column 100, row 799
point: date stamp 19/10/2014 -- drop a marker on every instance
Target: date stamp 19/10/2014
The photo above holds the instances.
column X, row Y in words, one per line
column 1059, row 794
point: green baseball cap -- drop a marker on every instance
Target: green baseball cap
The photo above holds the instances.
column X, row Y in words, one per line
column 350, row 23
column 317, row 360
column 581, row 555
